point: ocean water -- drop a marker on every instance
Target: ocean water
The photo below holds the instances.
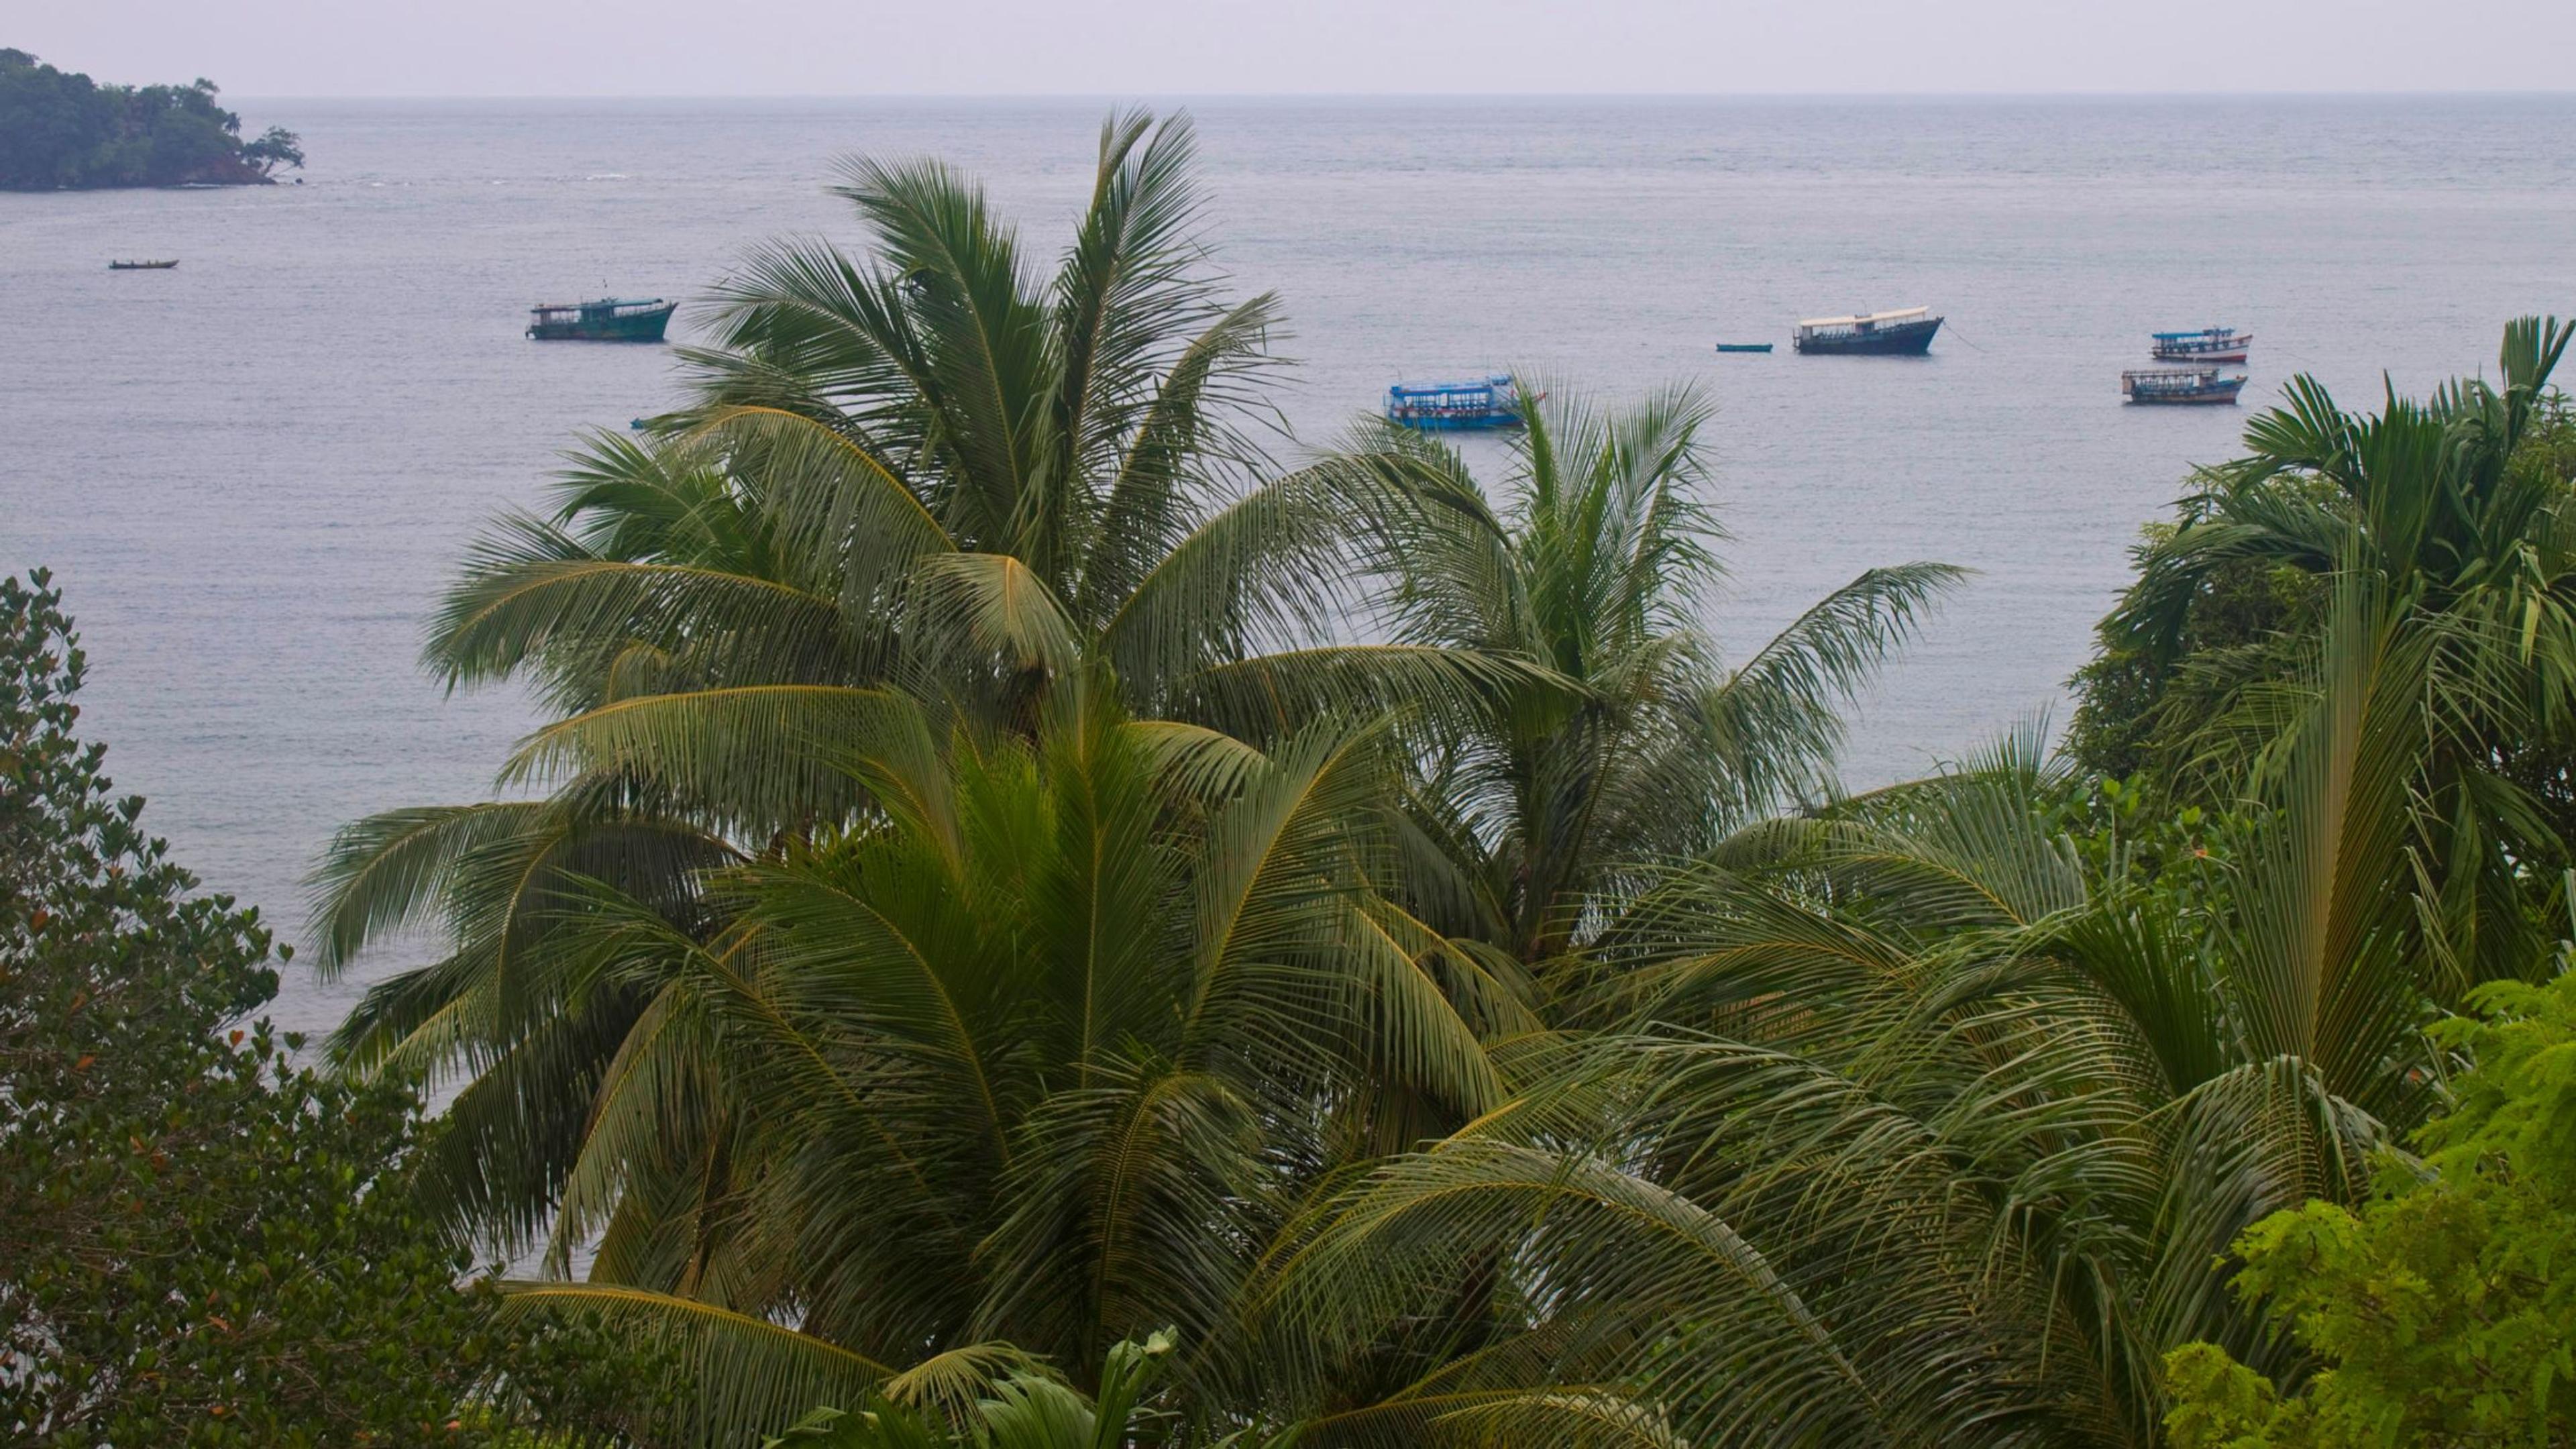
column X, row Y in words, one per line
column 253, row 473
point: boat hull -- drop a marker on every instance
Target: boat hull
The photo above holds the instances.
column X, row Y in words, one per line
column 2167, row 354
column 2217, row 394
column 1744, row 347
column 1904, row 339
column 1462, row 423
column 637, row 327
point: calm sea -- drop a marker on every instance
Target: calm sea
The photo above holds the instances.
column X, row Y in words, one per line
column 253, row 473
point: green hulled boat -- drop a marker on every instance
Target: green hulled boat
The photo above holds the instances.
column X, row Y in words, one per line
column 610, row 319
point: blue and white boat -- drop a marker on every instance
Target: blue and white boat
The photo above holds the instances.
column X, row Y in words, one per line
column 1440, row 407
column 2181, row 385
column 2209, row 344
column 1903, row 333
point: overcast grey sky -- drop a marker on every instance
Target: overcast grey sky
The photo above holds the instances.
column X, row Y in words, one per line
column 1201, row 47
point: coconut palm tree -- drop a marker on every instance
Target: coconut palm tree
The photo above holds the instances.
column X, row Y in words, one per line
column 1041, row 1053
column 2466, row 531
column 1638, row 743
column 1905, row 1124
column 924, row 469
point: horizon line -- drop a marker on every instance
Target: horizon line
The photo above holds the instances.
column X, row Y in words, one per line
column 1359, row 95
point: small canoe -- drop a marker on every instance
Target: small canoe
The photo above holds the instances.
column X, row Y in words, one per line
column 143, row 266
column 1744, row 347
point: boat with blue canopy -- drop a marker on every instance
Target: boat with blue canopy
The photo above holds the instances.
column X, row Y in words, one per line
column 2181, row 385
column 2208, row 344
column 1493, row 401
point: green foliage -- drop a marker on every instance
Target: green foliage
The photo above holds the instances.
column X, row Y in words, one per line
column 200, row 1242
column 2453, row 511
column 1028, row 1408
column 1535, row 808
column 2140, row 710
column 60, row 129
column 917, row 473
column 276, row 146
column 1044, row 1055
column 1018, row 870
column 924, row 493
column 2442, row 1312
column 2229, row 595
column 1949, row 1097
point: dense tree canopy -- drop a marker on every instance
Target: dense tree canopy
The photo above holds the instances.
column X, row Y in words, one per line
column 61, row 129
column 957, row 700
column 201, row 1242
column 1030, row 923
column 1022, row 870
column 2442, row 1312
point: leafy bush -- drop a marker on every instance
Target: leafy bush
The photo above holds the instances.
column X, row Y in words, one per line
column 2444, row 1310
column 200, row 1241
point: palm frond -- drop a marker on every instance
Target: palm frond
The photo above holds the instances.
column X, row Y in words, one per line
column 746, row 1375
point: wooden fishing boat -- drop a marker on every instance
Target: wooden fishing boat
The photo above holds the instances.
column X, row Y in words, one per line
column 610, row 319
column 2181, row 385
column 1744, row 347
column 143, row 266
column 1440, row 407
column 2209, row 344
column 1903, row 333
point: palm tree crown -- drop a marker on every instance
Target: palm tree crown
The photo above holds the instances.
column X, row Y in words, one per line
column 1043, row 1054
column 926, row 470
column 1637, row 743
column 2465, row 544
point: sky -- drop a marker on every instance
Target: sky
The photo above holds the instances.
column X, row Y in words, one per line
column 1229, row 47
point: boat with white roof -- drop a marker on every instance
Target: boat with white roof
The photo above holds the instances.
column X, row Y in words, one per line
column 2208, row 344
column 2185, row 385
column 1903, row 333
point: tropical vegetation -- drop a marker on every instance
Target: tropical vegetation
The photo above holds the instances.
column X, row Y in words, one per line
column 2438, row 1312
column 62, row 130
column 1043, row 912
column 202, row 1242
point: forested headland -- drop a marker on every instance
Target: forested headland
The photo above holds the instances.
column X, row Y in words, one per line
column 61, row 130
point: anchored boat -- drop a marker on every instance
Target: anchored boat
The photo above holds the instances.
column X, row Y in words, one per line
column 2209, row 344
column 2181, row 385
column 1744, row 347
column 1905, row 333
column 610, row 319
column 1439, row 407
column 143, row 266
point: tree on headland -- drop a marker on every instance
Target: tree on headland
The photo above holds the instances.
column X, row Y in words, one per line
column 59, row 129
column 276, row 146
column 202, row 1242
